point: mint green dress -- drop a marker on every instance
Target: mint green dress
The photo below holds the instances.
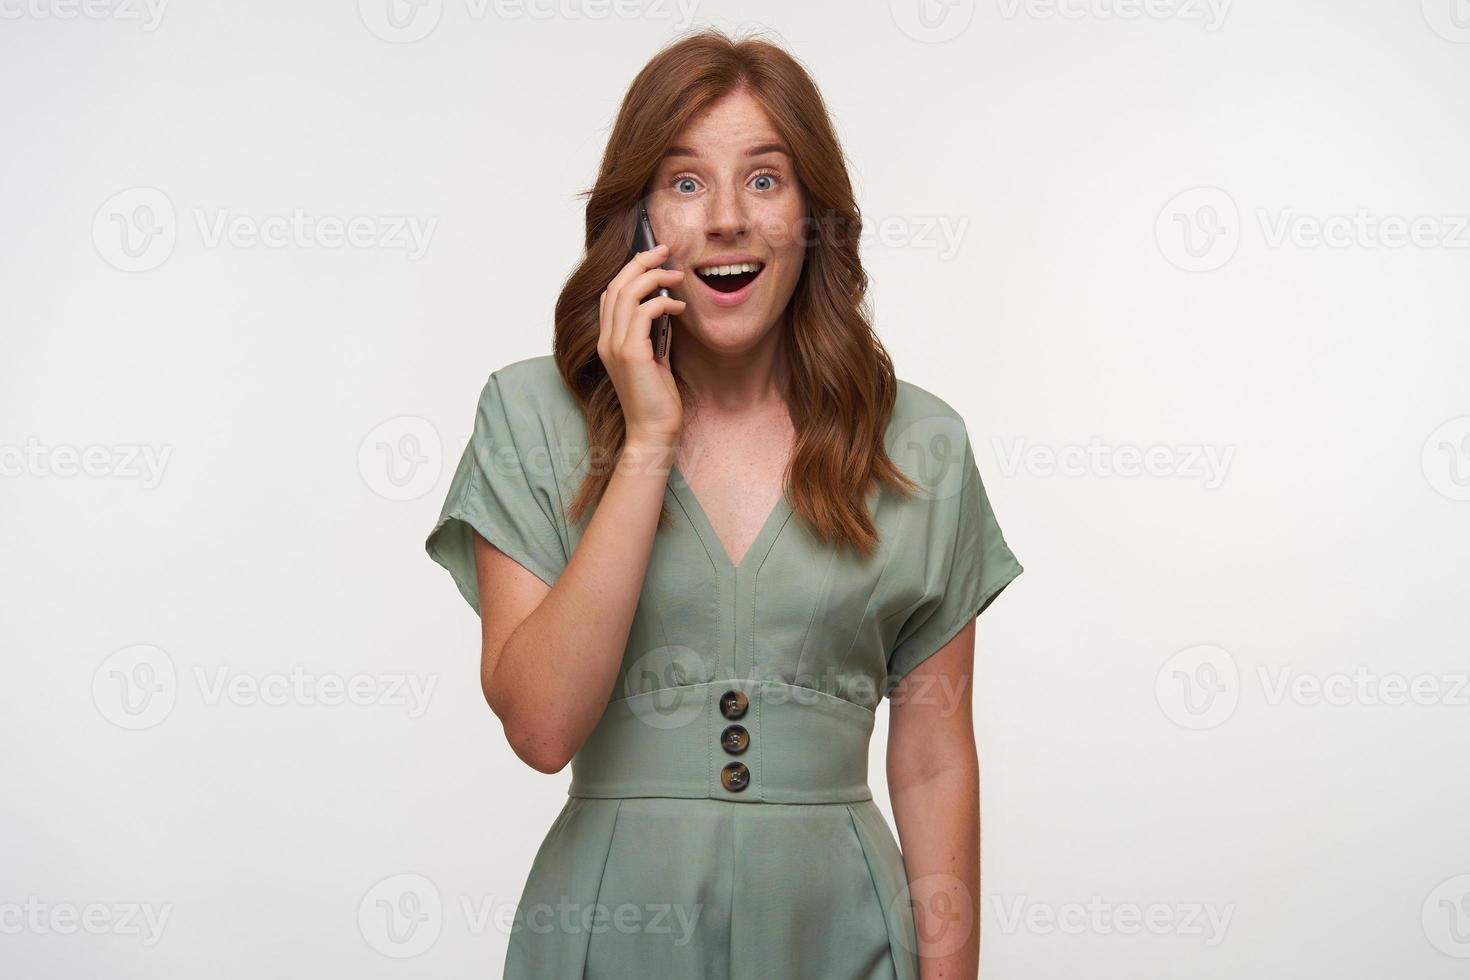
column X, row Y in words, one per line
column 719, row 824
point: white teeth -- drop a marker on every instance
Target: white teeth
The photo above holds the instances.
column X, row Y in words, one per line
column 730, row 270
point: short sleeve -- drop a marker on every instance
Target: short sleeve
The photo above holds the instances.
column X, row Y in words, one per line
column 965, row 566
column 505, row 488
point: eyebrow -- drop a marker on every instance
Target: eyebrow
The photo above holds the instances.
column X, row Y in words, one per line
column 755, row 151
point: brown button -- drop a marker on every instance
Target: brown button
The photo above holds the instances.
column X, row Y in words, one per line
column 735, row 777
column 735, row 739
column 733, row 704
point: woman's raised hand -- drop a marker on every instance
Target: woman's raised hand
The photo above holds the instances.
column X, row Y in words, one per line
column 652, row 412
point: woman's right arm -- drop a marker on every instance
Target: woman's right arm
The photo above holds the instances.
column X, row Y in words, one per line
column 550, row 655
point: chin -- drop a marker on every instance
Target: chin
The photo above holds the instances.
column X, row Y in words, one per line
column 727, row 330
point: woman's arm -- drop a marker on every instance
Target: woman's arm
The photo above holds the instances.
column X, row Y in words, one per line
column 550, row 654
column 934, row 784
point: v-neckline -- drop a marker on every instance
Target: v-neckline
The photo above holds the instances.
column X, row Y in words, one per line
column 763, row 540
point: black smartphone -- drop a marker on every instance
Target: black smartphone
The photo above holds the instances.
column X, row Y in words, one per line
column 643, row 240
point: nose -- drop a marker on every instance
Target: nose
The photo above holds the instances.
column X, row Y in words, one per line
column 725, row 216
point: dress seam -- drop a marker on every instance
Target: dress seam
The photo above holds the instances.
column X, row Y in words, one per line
column 877, row 892
column 601, row 880
column 730, row 902
column 800, row 687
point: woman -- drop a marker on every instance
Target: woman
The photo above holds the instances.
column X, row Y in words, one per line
column 698, row 575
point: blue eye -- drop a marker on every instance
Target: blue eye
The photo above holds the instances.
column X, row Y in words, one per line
column 685, row 180
column 765, row 177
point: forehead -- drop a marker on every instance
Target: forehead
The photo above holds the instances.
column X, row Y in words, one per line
column 730, row 128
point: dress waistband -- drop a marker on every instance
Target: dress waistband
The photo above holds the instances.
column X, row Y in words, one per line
column 735, row 740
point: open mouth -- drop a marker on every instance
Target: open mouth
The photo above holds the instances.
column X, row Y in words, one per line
column 730, row 278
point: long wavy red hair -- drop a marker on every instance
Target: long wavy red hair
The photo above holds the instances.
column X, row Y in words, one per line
column 843, row 385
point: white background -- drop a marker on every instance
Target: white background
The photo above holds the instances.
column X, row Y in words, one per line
column 1232, row 233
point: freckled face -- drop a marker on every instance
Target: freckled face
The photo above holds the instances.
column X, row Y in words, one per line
column 726, row 201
